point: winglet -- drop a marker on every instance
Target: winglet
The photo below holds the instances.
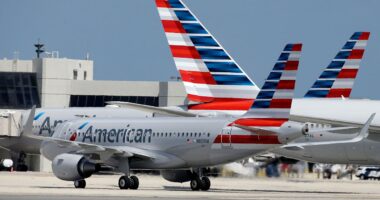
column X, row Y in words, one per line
column 364, row 131
column 28, row 127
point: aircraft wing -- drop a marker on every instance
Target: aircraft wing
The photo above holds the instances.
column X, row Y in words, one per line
column 303, row 119
column 361, row 135
column 86, row 148
column 153, row 109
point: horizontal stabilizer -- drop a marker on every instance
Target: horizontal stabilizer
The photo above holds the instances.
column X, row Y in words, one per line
column 361, row 135
column 254, row 129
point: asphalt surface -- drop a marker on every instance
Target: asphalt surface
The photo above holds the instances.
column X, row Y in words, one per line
column 41, row 186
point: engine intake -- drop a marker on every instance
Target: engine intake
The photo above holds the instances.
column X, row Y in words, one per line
column 290, row 131
column 71, row 167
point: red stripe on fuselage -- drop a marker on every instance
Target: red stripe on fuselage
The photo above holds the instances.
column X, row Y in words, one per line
column 247, row 139
column 261, row 122
column 171, row 26
column 197, row 77
column 339, row 93
column 348, row 73
column 184, row 52
column 224, row 104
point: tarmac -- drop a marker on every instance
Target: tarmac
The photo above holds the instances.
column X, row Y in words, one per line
column 36, row 185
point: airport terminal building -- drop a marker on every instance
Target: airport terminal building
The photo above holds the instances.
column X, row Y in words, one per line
column 63, row 82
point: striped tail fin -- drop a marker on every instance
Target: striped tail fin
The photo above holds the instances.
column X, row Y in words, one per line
column 338, row 78
column 208, row 72
column 271, row 107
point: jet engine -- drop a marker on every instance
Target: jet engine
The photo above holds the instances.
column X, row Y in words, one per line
column 292, row 130
column 72, row 167
column 178, row 176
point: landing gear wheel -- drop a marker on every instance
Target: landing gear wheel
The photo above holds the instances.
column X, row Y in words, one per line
column 124, row 182
column 195, row 184
column 80, row 184
column 134, row 182
column 206, row 183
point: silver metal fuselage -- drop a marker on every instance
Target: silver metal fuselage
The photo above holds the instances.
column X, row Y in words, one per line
column 349, row 111
column 174, row 142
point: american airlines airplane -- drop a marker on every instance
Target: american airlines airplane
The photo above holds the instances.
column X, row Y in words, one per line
column 325, row 104
column 179, row 146
column 214, row 81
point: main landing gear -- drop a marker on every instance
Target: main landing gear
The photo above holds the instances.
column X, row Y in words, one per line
column 125, row 182
column 200, row 182
column 131, row 182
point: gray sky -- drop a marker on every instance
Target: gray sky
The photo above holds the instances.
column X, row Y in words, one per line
column 126, row 40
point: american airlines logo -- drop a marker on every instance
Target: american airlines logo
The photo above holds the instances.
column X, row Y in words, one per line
column 124, row 135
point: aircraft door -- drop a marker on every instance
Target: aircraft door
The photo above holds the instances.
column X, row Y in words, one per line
column 226, row 137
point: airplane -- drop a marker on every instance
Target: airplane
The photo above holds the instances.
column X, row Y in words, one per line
column 178, row 146
column 325, row 104
column 233, row 102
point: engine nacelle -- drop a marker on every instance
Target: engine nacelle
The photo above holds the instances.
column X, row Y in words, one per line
column 71, row 167
column 178, row 176
column 290, row 131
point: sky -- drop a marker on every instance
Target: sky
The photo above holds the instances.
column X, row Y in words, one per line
column 126, row 40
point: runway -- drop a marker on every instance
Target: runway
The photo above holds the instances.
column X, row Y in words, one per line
column 41, row 186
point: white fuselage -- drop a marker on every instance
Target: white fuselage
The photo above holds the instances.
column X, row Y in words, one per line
column 175, row 142
column 350, row 111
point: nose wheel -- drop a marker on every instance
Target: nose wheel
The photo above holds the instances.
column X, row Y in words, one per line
column 200, row 183
column 80, row 183
column 126, row 182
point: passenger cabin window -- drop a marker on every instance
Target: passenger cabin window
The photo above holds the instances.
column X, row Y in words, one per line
column 84, row 75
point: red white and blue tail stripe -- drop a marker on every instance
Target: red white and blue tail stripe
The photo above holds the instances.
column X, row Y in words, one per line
column 271, row 107
column 338, row 78
column 208, row 72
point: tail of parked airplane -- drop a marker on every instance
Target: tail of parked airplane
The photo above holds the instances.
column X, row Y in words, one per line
column 271, row 107
column 338, row 78
column 208, row 72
